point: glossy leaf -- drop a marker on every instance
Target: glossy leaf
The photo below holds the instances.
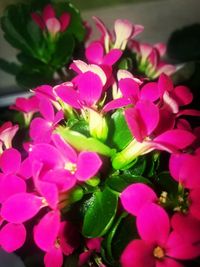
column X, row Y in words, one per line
column 102, row 212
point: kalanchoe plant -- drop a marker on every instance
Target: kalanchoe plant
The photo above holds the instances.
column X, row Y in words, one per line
column 108, row 174
column 47, row 35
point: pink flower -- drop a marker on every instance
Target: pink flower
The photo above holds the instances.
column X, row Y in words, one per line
column 149, row 59
column 55, row 238
column 28, row 106
column 123, row 31
column 7, row 133
column 95, row 54
column 49, row 21
column 87, row 87
column 157, row 246
column 41, row 129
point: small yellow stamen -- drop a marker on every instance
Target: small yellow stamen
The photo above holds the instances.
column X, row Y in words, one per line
column 44, row 201
column 163, row 197
column 72, row 167
column 57, row 243
column 158, row 253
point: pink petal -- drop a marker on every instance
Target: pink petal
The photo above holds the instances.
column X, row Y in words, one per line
column 182, row 95
column 53, row 258
column 10, row 185
column 123, row 31
column 12, row 237
column 105, row 38
column 178, row 248
column 186, row 226
column 137, row 29
column 145, row 50
column 129, row 89
column 68, row 95
column 69, row 238
column 167, row 262
column 64, row 21
column 38, row 20
column 165, row 68
column 65, row 149
column 161, row 48
column 195, row 202
column 138, row 254
column 44, row 91
column 88, row 165
column 46, row 109
column 21, row 207
column 94, row 243
column 53, row 25
column 7, row 134
column 84, row 257
column 25, row 169
column 189, row 112
column 46, row 232
column 58, row 117
column 135, row 124
column 41, row 152
column 178, row 138
column 153, row 224
column 94, row 53
column 48, row 12
column 50, row 192
column 150, row 91
column 135, row 196
column 8, row 156
column 112, row 57
column 41, row 130
column 175, row 163
column 63, row 179
column 164, row 84
column 90, row 88
column 117, row 103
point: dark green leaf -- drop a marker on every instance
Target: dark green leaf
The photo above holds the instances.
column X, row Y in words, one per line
column 119, row 134
column 9, row 67
column 100, row 214
column 63, row 50
column 138, row 167
column 167, row 183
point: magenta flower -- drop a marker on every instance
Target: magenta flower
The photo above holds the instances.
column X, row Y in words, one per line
column 149, row 59
column 48, row 20
column 41, row 129
column 123, row 31
column 55, row 238
column 157, row 246
column 7, row 133
column 87, row 87
column 95, row 54
column 28, row 106
column 93, row 245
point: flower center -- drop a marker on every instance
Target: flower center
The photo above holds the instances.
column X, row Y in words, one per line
column 72, row 167
column 159, row 253
column 57, row 243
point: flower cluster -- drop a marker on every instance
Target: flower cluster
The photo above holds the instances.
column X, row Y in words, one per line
column 109, row 170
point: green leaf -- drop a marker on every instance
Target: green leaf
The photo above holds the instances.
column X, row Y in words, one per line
column 63, row 50
column 119, row 134
column 100, row 214
column 81, row 142
column 9, row 67
column 122, row 232
column 120, row 182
